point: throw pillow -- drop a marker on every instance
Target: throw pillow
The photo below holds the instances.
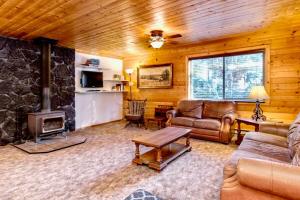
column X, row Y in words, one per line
column 294, row 124
column 190, row 108
column 297, row 120
column 294, row 140
column 296, row 159
column 195, row 112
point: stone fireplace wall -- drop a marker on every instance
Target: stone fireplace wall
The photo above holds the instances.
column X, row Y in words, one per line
column 20, row 84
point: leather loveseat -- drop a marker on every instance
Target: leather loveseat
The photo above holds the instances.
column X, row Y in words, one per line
column 266, row 165
column 211, row 120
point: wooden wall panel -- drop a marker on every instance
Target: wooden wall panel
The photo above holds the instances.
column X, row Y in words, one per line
column 284, row 45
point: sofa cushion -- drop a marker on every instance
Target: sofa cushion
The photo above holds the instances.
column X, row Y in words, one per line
column 231, row 166
column 267, row 138
column 212, row 124
column 190, row 108
column 217, row 109
column 294, row 140
column 264, row 149
column 183, row 121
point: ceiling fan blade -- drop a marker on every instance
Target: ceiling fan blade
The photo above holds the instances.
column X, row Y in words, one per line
column 172, row 42
column 173, row 36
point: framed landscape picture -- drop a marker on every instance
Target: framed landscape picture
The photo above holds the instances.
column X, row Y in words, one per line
column 155, row 76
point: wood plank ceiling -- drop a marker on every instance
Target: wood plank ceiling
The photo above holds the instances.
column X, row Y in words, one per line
column 120, row 27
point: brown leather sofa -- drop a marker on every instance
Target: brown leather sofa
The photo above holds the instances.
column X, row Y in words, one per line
column 266, row 165
column 211, row 120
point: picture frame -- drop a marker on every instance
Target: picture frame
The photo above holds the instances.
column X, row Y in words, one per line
column 158, row 76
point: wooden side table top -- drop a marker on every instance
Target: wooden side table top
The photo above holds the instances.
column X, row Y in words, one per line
column 247, row 120
column 252, row 121
column 162, row 137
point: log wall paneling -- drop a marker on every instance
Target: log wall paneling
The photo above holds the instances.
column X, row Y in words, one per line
column 284, row 72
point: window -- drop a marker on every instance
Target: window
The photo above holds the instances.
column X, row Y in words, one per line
column 228, row 76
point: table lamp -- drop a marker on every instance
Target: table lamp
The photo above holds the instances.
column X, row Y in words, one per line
column 129, row 72
column 259, row 94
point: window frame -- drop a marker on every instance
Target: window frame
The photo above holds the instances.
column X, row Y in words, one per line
column 260, row 49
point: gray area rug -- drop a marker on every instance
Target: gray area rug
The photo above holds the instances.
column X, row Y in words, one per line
column 51, row 144
column 102, row 169
column 142, row 195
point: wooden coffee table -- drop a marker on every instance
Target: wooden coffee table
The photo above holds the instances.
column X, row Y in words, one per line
column 164, row 149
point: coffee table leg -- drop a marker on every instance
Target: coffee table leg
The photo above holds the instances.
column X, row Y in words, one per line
column 158, row 156
column 187, row 141
column 137, row 151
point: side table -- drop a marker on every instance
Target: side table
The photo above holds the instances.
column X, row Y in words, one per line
column 159, row 116
column 158, row 120
column 246, row 121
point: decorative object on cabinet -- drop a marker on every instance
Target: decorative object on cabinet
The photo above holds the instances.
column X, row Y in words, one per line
column 92, row 62
column 259, row 94
column 155, row 76
column 117, row 77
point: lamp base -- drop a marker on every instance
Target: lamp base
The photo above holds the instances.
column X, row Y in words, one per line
column 258, row 113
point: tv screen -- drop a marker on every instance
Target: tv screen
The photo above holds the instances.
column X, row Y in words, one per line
column 90, row 79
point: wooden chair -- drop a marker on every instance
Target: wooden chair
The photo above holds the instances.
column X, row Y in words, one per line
column 135, row 114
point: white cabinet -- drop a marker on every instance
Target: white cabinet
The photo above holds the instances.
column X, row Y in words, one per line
column 94, row 108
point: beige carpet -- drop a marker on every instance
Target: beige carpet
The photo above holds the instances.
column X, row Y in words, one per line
column 101, row 168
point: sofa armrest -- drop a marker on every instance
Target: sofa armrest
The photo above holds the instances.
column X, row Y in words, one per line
column 271, row 177
column 274, row 128
column 225, row 131
column 171, row 114
column 229, row 116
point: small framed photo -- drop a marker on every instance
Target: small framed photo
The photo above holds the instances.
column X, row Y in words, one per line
column 155, row 76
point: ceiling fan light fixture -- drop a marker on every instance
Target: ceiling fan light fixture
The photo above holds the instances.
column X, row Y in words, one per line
column 156, row 42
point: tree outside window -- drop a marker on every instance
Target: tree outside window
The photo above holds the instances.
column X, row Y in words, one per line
column 227, row 76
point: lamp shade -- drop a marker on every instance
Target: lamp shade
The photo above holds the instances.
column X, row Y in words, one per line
column 258, row 93
column 129, row 71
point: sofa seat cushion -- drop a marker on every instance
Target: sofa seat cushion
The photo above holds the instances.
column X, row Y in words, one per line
column 265, row 149
column 183, row 121
column 267, row 138
column 231, row 166
column 212, row 124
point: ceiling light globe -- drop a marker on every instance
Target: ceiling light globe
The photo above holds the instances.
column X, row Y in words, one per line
column 157, row 44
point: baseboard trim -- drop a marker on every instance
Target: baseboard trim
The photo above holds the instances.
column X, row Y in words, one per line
column 118, row 120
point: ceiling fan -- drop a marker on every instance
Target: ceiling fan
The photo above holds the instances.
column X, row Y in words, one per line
column 157, row 40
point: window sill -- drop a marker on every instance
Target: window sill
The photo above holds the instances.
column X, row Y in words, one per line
column 235, row 100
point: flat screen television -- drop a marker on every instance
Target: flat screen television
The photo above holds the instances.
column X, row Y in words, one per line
column 91, row 79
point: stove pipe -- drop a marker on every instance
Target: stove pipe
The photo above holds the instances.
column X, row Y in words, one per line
column 45, row 45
